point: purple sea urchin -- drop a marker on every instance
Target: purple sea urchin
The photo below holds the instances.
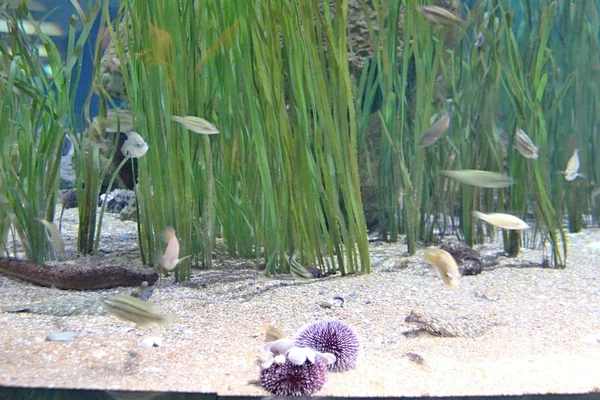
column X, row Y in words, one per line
column 333, row 337
column 287, row 379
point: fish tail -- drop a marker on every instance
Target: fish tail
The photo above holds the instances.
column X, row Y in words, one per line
column 478, row 214
column 167, row 320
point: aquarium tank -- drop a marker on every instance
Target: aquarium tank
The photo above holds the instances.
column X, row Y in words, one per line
column 317, row 138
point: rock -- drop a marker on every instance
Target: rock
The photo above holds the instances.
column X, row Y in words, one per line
column 117, row 200
column 469, row 261
column 449, row 325
column 61, row 336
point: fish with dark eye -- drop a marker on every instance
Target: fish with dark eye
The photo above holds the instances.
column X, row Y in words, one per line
column 134, row 146
column 435, row 131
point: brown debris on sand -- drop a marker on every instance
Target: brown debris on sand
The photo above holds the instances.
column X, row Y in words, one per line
column 80, row 278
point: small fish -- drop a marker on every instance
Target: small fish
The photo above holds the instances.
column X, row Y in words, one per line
column 124, row 118
column 196, row 124
column 439, row 15
column 272, row 334
column 595, row 192
column 435, row 131
column 128, row 308
column 524, row 145
column 57, row 241
column 479, row 39
column 170, row 259
column 300, row 272
column 134, row 146
column 444, row 266
column 504, row 221
column 479, row 178
column 572, row 168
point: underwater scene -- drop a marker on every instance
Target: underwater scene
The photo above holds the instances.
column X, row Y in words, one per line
column 342, row 198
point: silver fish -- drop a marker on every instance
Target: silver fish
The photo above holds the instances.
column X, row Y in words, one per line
column 439, row 15
column 524, row 145
column 480, row 39
column 486, row 179
column 444, row 266
column 134, row 146
column 196, row 124
column 504, row 221
column 130, row 309
column 435, row 131
column 572, row 168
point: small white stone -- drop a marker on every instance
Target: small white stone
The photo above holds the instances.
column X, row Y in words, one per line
column 594, row 246
column 151, row 341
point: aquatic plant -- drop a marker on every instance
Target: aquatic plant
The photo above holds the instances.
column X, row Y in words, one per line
column 333, row 337
column 496, row 73
column 281, row 177
column 36, row 113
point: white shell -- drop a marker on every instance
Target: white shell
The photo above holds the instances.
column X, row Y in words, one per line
column 280, row 346
column 299, row 355
column 151, row 341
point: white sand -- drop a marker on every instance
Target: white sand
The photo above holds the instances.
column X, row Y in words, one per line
column 549, row 319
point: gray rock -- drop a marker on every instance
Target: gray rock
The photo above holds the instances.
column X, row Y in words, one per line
column 61, row 336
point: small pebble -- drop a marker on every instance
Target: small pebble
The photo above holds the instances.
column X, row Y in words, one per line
column 594, row 246
column 337, row 301
column 61, row 336
column 151, row 341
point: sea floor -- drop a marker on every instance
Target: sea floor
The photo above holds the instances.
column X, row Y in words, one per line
column 546, row 338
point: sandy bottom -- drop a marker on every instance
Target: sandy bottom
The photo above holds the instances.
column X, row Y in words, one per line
column 547, row 340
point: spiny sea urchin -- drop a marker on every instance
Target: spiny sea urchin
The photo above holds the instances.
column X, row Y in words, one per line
column 287, row 379
column 333, row 337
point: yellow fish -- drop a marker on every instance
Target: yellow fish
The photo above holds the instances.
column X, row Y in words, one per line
column 486, row 179
column 504, row 221
column 435, row 131
column 439, row 15
column 128, row 308
column 196, row 124
column 444, row 266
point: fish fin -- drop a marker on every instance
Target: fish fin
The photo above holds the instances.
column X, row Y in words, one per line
column 167, row 320
column 478, row 214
